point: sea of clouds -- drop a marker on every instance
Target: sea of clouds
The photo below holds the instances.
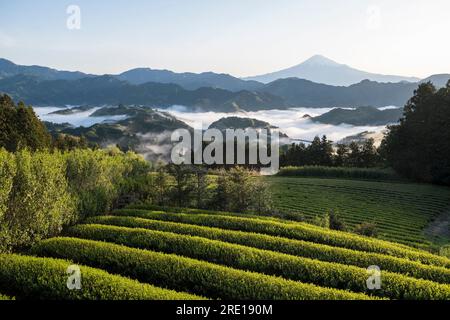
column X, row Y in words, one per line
column 76, row 119
column 291, row 122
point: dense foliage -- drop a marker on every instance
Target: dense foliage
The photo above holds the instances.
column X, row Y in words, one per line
column 321, row 153
column 20, row 127
column 236, row 189
column 419, row 147
column 42, row 191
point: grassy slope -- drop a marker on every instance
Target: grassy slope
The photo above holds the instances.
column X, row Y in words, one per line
column 400, row 210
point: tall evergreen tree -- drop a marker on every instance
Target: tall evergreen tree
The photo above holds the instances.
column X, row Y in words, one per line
column 419, row 147
column 20, row 127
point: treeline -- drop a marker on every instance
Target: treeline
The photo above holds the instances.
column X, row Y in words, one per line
column 322, row 153
column 236, row 189
column 419, row 147
column 21, row 128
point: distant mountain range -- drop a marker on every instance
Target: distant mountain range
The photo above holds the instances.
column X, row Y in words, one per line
column 10, row 69
column 304, row 93
column 209, row 91
column 320, row 69
column 109, row 90
column 188, row 80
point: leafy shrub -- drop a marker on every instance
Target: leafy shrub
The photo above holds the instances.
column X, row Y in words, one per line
column 42, row 192
column 303, row 269
column 44, row 278
column 289, row 246
column 39, row 202
column 367, row 229
column 297, row 230
column 185, row 274
column 322, row 221
column 97, row 176
column 445, row 251
column 336, row 222
column 7, row 173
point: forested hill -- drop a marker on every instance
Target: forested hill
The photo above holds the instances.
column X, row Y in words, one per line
column 109, row 90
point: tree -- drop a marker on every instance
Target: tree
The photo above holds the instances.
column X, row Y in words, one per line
column 354, row 156
column 326, row 148
column 419, row 146
column 161, row 187
column 182, row 175
column 369, row 154
column 67, row 142
column 200, row 185
column 20, row 127
column 241, row 190
column 341, row 157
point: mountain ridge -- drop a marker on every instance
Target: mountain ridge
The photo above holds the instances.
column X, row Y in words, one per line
column 108, row 90
column 323, row 70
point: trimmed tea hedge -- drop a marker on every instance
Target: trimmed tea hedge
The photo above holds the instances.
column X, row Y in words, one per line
column 299, row 231
column 3, row 297
column 340, row 172
column 45, row 278
column 185, row 274
column 325, row 274
column 294, row 247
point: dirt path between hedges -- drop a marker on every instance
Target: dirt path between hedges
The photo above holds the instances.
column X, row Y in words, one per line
column 440, row 227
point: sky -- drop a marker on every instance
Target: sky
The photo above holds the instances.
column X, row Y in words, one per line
column 239, row 37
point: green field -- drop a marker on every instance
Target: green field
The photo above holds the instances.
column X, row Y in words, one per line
column 145, row 254
column 401, row 211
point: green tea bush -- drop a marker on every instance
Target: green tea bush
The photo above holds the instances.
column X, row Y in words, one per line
column 7, row 173
column 290, row 246
column 41, row 192
column 299, row 231
column 185, row 274
column 340, row 172
column 96, row 177
column 45, row 278
column 3, row 297
column 303, row 269
column 39, row 202
column 445, row 251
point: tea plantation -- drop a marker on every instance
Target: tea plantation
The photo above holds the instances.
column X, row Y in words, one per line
column 196, row 254
column 401, row 211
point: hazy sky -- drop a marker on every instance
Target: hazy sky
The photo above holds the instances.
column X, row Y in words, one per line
column 240, row 37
